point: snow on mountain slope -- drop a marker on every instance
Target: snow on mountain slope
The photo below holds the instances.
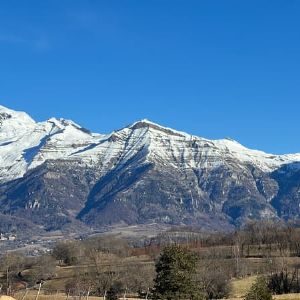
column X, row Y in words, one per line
column 26, row 144
column 265, row 161
column 13, row 124
column 187, row 151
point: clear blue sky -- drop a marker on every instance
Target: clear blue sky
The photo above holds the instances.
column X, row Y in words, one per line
column 211, row 68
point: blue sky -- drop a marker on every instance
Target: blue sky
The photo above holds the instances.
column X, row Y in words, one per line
column 211, row 68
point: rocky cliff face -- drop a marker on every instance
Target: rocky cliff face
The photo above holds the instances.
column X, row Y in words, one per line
column 58, row 175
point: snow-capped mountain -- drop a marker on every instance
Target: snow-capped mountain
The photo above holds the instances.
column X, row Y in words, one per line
column 25, row 144
column 141, row 173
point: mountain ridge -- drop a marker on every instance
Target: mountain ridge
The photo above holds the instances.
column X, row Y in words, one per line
column 54, row 126
column 141, row 173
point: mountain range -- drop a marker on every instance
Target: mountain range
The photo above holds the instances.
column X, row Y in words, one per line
column 57, row 175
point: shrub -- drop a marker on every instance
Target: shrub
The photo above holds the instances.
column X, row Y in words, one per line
column 284, row 282
column 259, row 290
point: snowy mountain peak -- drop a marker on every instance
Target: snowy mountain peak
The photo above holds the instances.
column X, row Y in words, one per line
column 14, row 116
column 145, row 123
column 13, row 124
column 4, row 109
column 25, row 144
column 63, row 123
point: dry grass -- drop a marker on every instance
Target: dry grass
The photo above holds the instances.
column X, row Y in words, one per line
column 239, row 287
column 32, row 296
column 61, row 296
column 287, row 297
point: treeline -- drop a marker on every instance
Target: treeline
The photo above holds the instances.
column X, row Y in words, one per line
column 257, row 238
column 111, row 266
column 97, row 265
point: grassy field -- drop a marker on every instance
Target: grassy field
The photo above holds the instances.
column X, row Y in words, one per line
column 239, row 288
column 32, row 296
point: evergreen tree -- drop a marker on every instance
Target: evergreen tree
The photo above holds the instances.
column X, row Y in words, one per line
column 175, row 277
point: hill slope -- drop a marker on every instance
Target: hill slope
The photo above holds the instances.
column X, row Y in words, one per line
column 58, row 175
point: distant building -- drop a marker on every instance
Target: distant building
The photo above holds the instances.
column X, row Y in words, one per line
column 7, row 237
column 12, row 238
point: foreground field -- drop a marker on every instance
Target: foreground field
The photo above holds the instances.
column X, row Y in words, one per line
column 63, row 297
column 239, row 288
column 110, row 264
